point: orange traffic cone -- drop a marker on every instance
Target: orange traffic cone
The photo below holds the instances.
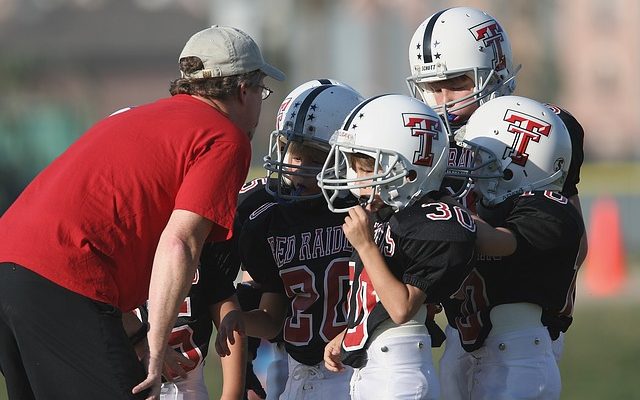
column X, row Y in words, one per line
column 605, row 269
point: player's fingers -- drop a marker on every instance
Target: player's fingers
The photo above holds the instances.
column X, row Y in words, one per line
column 347, row 221
column 179, row 371
column 184, row 361
column 224, row 349
column 231, row 338
column 239, row 329
column 221, row 345
column 333, row 365
column 354, row 213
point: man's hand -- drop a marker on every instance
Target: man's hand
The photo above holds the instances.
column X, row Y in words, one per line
column 153, row 380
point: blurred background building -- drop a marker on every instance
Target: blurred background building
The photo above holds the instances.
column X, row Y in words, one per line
column 65, row 64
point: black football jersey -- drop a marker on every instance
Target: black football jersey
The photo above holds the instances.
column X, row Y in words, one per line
column 193, row 328
column 251, row 198
column 541, row 271
column 576, row 133
column 299, row 250
column 429, row 245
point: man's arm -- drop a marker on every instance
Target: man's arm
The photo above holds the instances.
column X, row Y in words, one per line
column 174, row 266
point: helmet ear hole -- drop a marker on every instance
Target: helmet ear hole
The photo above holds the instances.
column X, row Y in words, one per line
column 412, row 175
column 507, row 175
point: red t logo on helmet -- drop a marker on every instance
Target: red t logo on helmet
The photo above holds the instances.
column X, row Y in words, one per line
column 490, row 33
column 426, row 129
column 526, row 129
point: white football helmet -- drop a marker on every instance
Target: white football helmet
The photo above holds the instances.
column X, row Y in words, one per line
column 310, row 114
column 460, row 41
column 406, row 139
column 518, row 145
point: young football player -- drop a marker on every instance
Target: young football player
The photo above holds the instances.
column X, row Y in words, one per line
column 295, row 249
column 411, row 245
column 522, row 152
column 460, row 58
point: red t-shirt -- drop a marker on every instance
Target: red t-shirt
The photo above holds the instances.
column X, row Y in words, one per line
column 91, row 220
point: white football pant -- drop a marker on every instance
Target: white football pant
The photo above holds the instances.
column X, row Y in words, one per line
column 398, row 367
column 455, row 367
column 190, row 388
column 516, row 365
column 316, row 382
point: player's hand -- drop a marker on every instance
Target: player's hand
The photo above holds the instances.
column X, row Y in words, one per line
column 358, row 227
column 252, row 383
column 176, row 364
column 232, row 322
column 332, row 355
column 153, row 380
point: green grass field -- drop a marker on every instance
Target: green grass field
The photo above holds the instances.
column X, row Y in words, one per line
column 599, row 361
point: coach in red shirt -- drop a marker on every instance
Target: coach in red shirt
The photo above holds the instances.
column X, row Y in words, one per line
column 120, row 217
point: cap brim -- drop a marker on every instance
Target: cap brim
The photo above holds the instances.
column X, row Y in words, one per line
column 273, row 72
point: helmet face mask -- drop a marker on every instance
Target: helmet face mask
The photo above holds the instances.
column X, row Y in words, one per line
column 385, row 182
column 518, row 145
column 460, row 41
column 406, row 141
column 307, row 118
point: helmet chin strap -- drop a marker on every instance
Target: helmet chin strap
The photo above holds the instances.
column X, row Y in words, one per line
column 527, row 188
column 546, row 181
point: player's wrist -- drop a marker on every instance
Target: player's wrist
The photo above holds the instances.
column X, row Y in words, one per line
column 140, row 334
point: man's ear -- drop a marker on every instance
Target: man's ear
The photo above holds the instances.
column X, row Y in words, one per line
column 242, row 93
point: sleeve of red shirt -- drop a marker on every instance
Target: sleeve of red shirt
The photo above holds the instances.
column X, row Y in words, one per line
column 211, row 184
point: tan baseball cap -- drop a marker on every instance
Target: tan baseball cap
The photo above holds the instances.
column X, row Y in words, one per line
column 226, row 51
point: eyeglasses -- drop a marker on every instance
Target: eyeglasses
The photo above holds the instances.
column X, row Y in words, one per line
column 266, row 92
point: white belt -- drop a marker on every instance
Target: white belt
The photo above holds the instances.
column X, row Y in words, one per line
column 415, row 326
column 514, row 317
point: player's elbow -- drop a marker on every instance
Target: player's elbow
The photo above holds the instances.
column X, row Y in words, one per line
column 400, row 315
column 402, row 312
column 271, row 332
